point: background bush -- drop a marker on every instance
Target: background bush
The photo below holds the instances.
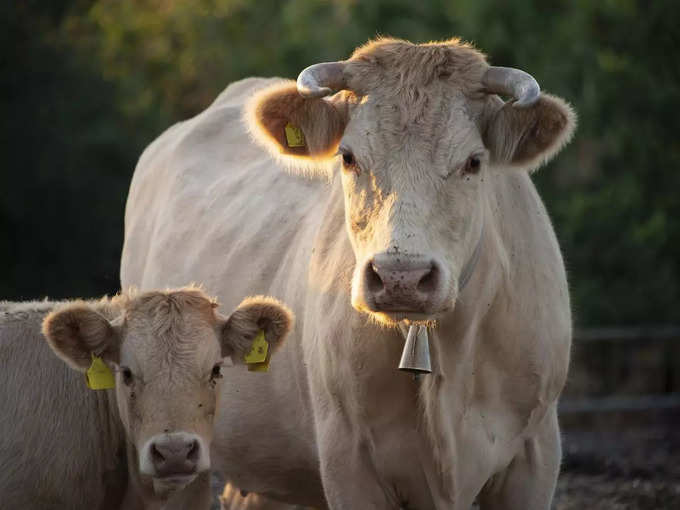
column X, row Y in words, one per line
column 88, row 84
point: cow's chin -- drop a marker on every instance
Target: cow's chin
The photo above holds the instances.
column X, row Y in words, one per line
column 169, row 484
column 394, row 318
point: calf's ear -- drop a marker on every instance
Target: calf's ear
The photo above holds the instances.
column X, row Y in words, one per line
column 76, row 331
column 527, row 137
column 253, row 315
column 303, row 133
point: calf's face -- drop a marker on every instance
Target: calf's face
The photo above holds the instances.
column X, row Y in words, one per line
column 167, row 350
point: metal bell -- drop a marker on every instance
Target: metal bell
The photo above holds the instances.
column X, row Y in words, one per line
column 416, row 355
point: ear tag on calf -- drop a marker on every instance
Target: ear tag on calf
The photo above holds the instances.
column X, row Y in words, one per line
column 258, row 350
column 294, row 136
column 99, row 375
column 259, row 367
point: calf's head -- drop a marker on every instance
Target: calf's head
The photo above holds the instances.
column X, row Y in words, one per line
column 416, row 130
column 167, row 350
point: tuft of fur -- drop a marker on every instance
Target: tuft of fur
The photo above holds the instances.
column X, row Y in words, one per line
column 397, row 67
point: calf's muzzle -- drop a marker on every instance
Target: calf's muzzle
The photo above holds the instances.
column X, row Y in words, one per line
column 176, row 454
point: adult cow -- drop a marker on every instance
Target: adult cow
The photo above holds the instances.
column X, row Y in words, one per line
column 144, row 444
column 420, row 208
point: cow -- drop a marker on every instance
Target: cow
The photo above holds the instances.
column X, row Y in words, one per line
column 387, row 191
column 144, row 443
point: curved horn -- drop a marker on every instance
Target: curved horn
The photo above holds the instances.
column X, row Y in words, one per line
column 321, row 80
column 512, row 82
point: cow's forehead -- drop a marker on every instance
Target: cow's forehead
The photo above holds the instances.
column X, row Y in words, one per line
column 165, row 332
column 439, row 130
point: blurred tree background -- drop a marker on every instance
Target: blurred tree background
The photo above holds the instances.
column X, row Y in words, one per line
column 87, row 84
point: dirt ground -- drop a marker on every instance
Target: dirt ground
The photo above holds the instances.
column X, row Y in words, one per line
column 620, row 469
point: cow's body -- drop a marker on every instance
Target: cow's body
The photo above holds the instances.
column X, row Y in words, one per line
column 334, row 412
column 62, row 445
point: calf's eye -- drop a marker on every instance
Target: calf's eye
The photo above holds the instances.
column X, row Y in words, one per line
column 127, row 375
column 216, row 372
column 472, row 165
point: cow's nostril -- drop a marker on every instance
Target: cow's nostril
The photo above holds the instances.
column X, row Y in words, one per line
column 193, row 451
column 156, row 455
column 428, row 282
column 373, row 280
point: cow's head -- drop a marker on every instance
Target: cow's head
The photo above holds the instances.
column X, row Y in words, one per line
column 166, row 349
column 418, row 131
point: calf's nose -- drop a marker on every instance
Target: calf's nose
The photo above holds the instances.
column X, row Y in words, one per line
column 175, row 454
column 395, row 284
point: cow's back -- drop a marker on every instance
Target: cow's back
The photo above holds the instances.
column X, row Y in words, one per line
column 50, row 434
column 205, row 199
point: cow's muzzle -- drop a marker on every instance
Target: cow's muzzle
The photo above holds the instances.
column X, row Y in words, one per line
column 393, row 283
column 175, row 458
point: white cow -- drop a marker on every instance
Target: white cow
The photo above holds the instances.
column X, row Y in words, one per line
column 415, row 207
column 144, row 444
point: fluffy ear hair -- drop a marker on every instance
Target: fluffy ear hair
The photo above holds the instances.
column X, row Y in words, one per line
column 76, row 330
column 321, row 122
column 526, row 138
column 251, row 316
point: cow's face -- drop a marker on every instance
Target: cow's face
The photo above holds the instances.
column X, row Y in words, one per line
column 413, row 209
column 416, row 134
column 167, row 351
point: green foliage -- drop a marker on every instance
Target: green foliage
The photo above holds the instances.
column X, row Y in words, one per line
column 91, row 82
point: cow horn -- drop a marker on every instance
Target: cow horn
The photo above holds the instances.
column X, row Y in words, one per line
column 511, row 82
column 321, row 80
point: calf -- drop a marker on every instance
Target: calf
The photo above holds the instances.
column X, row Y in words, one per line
column 144, row 443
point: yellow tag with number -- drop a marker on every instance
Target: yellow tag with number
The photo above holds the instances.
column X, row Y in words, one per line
column 99, row 375
column 258, row 351
column 294, row 136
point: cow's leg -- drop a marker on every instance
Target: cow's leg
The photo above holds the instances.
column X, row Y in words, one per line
column 347, row 472
column 196, row 495
column 528, row 483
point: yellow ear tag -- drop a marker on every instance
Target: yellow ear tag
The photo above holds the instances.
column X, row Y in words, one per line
column 294, row 136
column 259, row 367
column 99, row 376
column 258, row 350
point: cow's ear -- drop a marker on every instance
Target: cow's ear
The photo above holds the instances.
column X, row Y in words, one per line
column 302, row 133
column 76, row 331
column 526, row 138
column 253, row 315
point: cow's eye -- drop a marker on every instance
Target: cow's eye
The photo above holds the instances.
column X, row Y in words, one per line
column 216, row 372
column 349, row 162
column 472, row 165
column 127, row 375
